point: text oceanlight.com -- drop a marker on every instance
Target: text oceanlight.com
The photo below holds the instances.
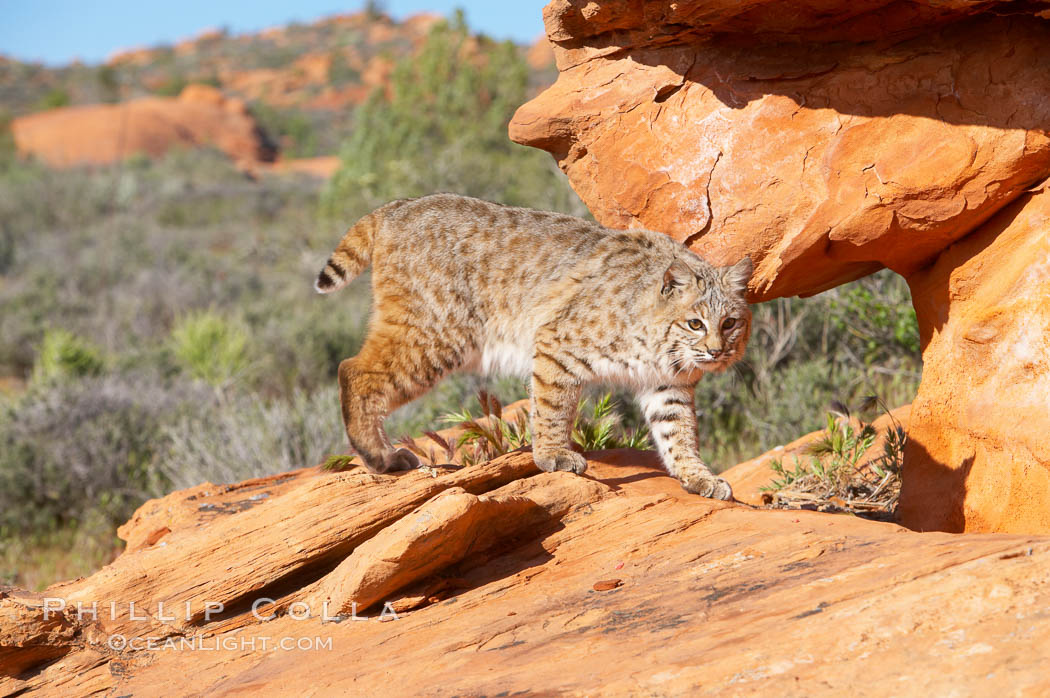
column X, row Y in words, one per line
column 119, row 643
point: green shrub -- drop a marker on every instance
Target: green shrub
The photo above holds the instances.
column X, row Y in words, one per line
column 55, row 98
column 341, row 72
column 442, row 126
column 599, row 425
column 834, row 476
column 64, row 355
column 7, row 248
column 7, row 141
column 84, row 448
column 172, row 86
column 211, row 348
column 108, row 83
column 878, row 313
column 34, row 560
column 291, row 130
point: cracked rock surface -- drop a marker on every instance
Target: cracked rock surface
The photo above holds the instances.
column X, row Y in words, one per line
column 500, row 578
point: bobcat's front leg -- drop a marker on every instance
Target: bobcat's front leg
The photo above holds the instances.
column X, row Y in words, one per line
column 555, row 397
column 672, row 423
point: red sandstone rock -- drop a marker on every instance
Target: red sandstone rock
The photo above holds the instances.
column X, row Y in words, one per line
column 714, row 598
column 824, row 162
column 100, row 134
column 978, row 455
column 377, row 72
column 446, row 530
column 314, row 67
column 324, row 519
column 420, row 24
column 26, row 637
column 138, row 55
column 604, row 24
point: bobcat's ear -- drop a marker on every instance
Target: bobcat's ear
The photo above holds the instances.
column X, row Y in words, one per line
column 677, row 276
column 737, row 275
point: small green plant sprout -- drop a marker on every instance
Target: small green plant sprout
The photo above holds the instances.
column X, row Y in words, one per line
column 891, row 461
column 338, row 463
column 834, row 475
column 595, row 421
column 786, row 479
column 65, row 355
column 839, row 450
column 598, row 427
column 490, row 435
column 211, row 348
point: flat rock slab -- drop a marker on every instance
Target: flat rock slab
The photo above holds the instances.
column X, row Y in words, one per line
column 713, row 598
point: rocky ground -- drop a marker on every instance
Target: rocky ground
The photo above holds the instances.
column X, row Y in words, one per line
column 503, row 579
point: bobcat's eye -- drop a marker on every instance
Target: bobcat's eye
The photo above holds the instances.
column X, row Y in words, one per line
column 729, row 323
column 696, row 325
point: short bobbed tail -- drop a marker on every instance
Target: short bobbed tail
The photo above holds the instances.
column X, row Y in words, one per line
column 350, row 257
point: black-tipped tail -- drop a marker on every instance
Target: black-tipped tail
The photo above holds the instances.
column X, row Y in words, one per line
column 331, row 278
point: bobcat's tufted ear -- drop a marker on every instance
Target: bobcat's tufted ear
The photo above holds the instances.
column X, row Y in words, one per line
column 677, row 276
column 737, row 275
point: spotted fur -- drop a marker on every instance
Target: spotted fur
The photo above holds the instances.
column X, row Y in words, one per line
column 464, row 284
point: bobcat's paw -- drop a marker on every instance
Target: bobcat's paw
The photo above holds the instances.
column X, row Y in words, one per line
column 705, row 484
column 560, row 459
column 401, row 459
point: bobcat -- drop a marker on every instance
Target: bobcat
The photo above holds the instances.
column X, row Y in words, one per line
column 464, row 284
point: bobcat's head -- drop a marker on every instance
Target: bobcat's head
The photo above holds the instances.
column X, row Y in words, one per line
column 707, row 313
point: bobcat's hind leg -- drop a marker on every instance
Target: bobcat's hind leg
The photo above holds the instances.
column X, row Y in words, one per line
column 383, row 376
column 365, row 396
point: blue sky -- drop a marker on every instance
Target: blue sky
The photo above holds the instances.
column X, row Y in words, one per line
column 59, row 31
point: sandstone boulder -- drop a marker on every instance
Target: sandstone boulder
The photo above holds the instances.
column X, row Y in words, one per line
column 824, row 162
column 978, row 455
column 603, row 24
column 106, row 133
column 443, row 531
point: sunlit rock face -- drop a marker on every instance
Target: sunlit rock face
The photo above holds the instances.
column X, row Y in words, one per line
column 824, row 161
column 978, row 456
